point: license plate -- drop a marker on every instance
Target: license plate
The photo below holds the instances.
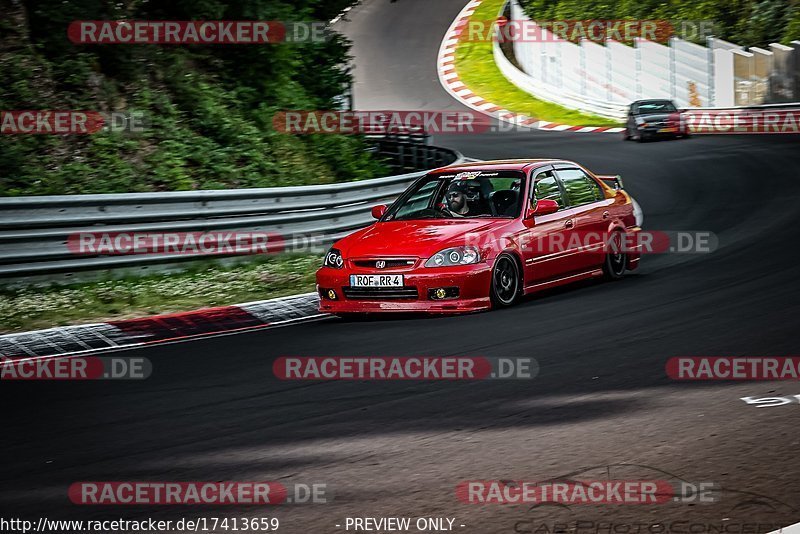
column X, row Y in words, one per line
column 668, row 130
column 376, row 280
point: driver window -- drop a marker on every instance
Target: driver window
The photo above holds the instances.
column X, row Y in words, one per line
column 547, row 187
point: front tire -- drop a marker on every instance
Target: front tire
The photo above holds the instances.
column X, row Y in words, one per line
column 506, row 282
column 616, row 260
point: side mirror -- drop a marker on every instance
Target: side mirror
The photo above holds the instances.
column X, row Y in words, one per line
column 378, row 211
column 544, row 206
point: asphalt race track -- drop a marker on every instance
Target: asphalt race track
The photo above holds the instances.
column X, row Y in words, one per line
column 212, row 409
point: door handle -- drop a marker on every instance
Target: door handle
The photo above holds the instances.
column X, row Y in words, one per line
column 605, row 215
column 569, row 224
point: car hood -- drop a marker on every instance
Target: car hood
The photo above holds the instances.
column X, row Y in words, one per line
column 422, row 238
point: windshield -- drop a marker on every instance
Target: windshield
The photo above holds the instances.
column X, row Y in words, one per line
column 461, row 195
column 656, row 106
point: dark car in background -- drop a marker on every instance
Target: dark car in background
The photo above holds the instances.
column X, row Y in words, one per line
column 651, row 119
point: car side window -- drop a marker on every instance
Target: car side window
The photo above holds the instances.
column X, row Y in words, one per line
column 546, row 187
column 420, row 200
column 579, row 187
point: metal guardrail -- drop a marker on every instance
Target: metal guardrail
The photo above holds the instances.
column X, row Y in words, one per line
column 34, row 230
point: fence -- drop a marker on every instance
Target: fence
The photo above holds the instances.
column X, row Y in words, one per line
column 604, row 78
column 35, row 230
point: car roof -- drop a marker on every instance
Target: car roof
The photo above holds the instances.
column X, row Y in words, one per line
column 500, row 165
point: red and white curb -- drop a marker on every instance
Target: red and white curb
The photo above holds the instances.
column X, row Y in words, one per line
column 80, row 339
column 448, row 77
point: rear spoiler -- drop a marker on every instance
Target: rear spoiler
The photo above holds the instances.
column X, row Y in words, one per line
column 612, row 181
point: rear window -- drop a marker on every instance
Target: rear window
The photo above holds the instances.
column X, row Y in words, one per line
column 579, row 187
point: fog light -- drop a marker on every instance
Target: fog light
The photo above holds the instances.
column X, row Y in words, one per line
column 332, row 294
column 442, row 293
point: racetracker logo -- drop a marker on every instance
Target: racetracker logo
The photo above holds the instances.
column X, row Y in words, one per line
column 559, row 31
column 381, row 122
column 71, row 122
column 576, row 492
column 177, row 32
column 197, row 493
column 190, row 243
column 79, row 368
column 743, row 121
column 644, row 242
column 733, row 368
column 404, row 368
column 208, row 493
column 51, row 122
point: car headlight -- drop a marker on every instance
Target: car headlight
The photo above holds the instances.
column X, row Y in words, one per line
column 454, row 256
column 333, row 259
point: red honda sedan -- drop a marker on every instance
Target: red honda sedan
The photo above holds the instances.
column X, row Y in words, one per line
column 479, row 235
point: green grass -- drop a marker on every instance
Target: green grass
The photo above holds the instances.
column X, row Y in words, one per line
column 31, row 307
column 474, row 62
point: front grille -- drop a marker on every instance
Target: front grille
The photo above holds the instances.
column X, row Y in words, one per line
column 389, row 263
column 380, row 293
column 665, row 124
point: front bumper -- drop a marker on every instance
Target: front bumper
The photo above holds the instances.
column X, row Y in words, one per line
column 472, row 281
column 633, row 247
column 661, row 131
